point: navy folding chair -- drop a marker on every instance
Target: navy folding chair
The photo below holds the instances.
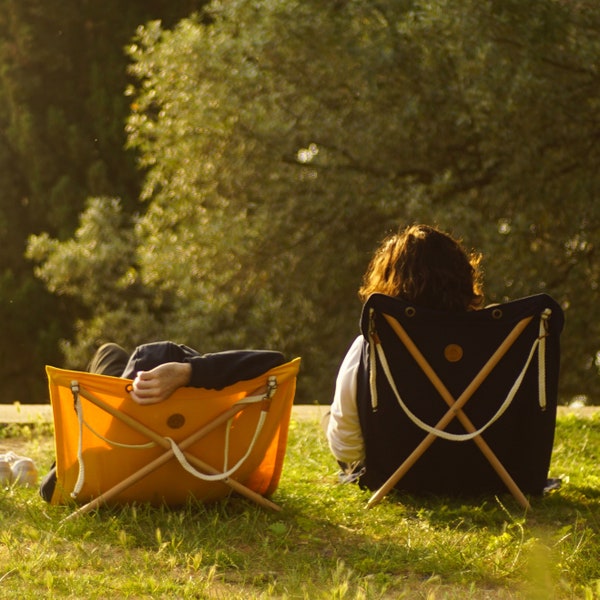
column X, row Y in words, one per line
column 459, row 403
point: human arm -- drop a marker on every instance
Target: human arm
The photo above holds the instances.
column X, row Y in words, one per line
column 220, row 369
column 343, row 432
column 160, row 368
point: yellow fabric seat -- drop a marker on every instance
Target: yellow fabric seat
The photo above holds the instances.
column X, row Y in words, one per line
column 105, row 442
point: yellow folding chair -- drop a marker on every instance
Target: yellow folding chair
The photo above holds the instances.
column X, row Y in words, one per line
column 199, row 443
column 482, row 385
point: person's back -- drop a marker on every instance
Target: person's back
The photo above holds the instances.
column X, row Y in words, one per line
column 421, row 265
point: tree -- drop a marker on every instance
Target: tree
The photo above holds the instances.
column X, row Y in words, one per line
column 96, row 268
column 62, row 113
column 281, row 140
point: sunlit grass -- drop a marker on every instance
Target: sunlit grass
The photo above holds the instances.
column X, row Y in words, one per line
column 324, row 544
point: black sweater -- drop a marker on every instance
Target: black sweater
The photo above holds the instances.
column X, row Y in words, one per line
column 211, row 371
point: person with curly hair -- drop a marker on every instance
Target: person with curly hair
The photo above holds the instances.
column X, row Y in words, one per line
column 426, row 267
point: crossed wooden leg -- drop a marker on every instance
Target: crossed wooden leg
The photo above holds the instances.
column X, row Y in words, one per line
column 454, row 411
column 168, row 455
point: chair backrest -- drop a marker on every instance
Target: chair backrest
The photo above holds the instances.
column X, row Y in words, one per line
column 513, row 407
column 96, row 450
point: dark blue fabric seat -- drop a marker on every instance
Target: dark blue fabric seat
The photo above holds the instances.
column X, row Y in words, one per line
column 514, row 405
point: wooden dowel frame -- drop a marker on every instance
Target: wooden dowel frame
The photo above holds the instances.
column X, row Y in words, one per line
column 454, row 411
column 168, row 455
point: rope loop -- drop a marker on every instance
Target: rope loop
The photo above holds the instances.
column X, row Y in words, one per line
column 376, row 351
column 264, row 400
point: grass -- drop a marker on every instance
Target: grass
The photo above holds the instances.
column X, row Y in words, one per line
column 324, row 544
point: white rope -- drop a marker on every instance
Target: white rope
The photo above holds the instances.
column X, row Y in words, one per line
column 456, row 437
column 119, row 444
column 539, row 342
column 79, row 410
column 179, row 455
column 248, row 400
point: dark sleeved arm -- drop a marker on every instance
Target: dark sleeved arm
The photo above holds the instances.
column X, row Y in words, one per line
column 211, row 371
column 220, row 369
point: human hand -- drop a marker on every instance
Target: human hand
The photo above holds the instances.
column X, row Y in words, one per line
column 158, row 384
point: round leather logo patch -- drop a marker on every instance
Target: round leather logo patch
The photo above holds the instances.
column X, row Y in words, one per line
column 453, row 352
column 175, row 421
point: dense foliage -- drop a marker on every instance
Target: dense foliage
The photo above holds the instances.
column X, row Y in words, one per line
column 281, row 140
column 63, row 71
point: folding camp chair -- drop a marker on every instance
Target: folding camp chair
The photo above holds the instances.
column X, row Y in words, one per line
column 460, row 403
column 200, row 443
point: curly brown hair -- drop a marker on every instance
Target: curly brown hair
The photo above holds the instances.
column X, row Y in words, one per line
column 427, row 267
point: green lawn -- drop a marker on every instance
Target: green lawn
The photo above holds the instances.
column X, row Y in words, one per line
column 323, row 544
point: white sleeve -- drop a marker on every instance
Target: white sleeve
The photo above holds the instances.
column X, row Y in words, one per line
column 344, row 434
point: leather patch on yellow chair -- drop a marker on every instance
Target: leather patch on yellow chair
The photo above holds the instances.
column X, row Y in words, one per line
column 176, row 420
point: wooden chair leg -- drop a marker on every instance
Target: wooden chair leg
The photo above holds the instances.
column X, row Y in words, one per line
column 168, row 455
column 454, row 411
